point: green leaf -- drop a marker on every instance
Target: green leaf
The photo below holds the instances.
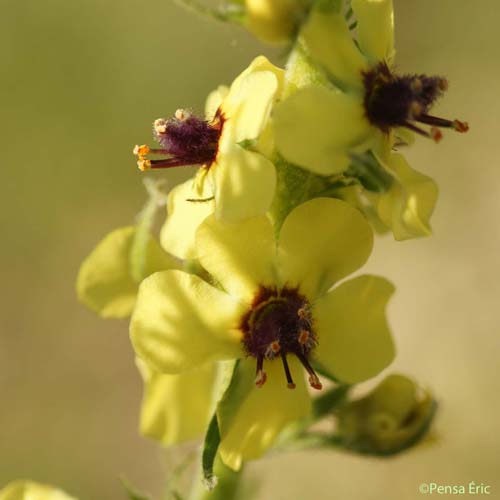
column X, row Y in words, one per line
column 210, row 447
column 225, row 377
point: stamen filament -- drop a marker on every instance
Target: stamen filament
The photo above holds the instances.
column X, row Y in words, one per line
column 289, row 379
column 314, row 381
column 436, row 121
column 261, row 375
column 417, row 130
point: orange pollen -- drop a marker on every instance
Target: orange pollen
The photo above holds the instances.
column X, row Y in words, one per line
column 436, row 134
column 303, row 336
column 314, row 382
column 302, row 313
column 141, row 151
column 275, row 346
column 144, row 164
column 461, row 127
column 260, row 378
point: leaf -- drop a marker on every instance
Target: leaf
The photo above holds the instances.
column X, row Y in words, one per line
column 210, row 447
column 225, row 377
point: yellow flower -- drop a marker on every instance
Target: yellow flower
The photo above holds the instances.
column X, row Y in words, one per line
column 29, row 490
column 228, row 147
column 106, row 280
column 319, row 127
column 108, row 285
column 274, row 309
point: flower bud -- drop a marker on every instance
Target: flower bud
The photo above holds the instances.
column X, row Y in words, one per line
column 274, row 21
column 393, row 417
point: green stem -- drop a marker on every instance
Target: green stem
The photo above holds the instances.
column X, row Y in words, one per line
column 301, row 71
column 296, row 185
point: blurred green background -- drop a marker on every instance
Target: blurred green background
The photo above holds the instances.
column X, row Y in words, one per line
column 81, row 84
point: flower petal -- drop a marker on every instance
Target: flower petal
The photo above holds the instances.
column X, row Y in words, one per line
column 355, row 343
column 29, row 490
column 239, row 256
column 105, row 283
column 214, row 100
column 248, row 105
column 169, row 413
column 181, row 322
column 177, row 235
column 409, row 204
column 245, row 182
column 330, row 42
column 315, row 128
column 375, row 28
column 322, row 241
column 249, row 431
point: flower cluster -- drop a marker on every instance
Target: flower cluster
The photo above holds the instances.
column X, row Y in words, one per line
column 242, row 312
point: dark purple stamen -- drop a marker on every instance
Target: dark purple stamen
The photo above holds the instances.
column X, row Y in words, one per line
column 185, row 139
column 399, row 101
column 279, row 322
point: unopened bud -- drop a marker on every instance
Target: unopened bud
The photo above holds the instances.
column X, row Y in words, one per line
column 393, row 417
column 274, row 21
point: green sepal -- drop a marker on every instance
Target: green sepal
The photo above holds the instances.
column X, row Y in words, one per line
column 370, row 174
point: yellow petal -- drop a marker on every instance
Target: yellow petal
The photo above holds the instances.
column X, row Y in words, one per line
column 105, row 283
column 265, row 411
column 408, row 205
column 330, row 43
column 29, row 490
column 355, row 342
column 321, row 242
column 239, row 256
column 178, row 233
column 375, row 28
column 248, row 106
column 315, row 128
column 214, row 100
column 181, row 322
column 245, row 182
column 169, row 412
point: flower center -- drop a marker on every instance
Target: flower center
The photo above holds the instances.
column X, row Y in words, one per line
column 399, row 101
column 279, row 323
column 185, row 139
